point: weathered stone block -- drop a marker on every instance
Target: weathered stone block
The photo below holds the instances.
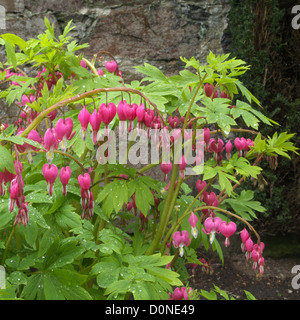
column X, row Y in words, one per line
column 12, row 5
column 28, row 28
column 54, row 5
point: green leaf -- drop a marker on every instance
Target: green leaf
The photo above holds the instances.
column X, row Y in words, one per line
column 106, row 279
column 185, row 79
column 67, row 253
column 209, row 172
column 82, row 73
column 142, row 291
column 117, row 169
column 114, row 195
column 68, row 28
column 221, row 292
column 13, row 262
column 152, row 72
column 280, row 145
column 167, row 275
column 58, row 255
column 55, row 285
column 120, row 286
column 120, row 195
column 159, row 88
column 137, row 242
column 243, row 167
column 17, row 278
column 154, row 260
column 75, row 292
column 224, row 180
column 21, row 140
column 249, row 295
column 5, row 215
column 224, row 173
column 66, row 217
column 49, row 27
column 11, row 55
column 209, row 295
column 69, row 277
column 13, row 40
column 58, row 202
column 192, row 62
column 57, row 91
column 46, row 242
column 111, row 242
column 28, row 261
column 52, row 288
column 106, row 266
column 247, row 93
column 34, row 287
column 79, row 145
column 244, row 206
column 30, row 232
column 216, row 246
column 38, row 198
column 259, row 147
column 143, row 196
column 6, row 160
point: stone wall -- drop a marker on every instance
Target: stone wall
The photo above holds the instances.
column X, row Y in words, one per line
column 137, row 31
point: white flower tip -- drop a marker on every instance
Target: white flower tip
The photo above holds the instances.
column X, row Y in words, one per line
column 194, row 232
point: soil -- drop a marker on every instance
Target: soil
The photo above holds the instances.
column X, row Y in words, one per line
column 236, row 275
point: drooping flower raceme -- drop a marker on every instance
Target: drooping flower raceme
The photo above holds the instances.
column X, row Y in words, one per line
column 17, row 197
column 256, row 255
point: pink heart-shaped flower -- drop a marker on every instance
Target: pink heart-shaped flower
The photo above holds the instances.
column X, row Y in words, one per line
column 227, row 229
column 111, row 66
column 84, row 181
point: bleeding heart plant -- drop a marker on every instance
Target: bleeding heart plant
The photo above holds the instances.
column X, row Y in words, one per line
column 103, row 229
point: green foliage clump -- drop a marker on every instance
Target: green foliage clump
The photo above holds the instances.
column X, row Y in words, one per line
column 260, row 33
